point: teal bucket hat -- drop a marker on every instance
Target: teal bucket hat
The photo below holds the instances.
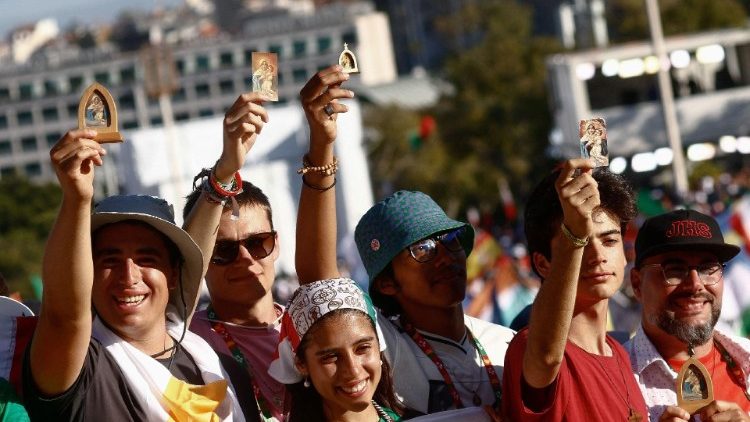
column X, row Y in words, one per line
column 395, row 223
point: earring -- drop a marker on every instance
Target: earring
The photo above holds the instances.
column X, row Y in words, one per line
column 307, row 382
column 381, row 362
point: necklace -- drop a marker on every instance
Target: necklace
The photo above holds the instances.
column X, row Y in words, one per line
column 425, row 347
column 633, row 416
column 263, row 406
column 382, row 414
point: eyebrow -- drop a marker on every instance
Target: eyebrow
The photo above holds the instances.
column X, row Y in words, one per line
column 609, row 233
column 331, row 350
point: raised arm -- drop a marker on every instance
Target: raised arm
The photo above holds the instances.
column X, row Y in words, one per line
column 553, row 307
column 62, row 335
column 315, row 256
column 243, row 122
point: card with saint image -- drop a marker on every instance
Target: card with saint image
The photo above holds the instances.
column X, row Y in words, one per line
column 266, row 75
column 593, row 137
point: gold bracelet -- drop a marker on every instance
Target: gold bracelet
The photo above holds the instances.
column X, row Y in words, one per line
column 577, row 241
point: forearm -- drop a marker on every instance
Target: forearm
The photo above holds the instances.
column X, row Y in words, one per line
column 202, row 224
column 551, row 315
column 315, row 256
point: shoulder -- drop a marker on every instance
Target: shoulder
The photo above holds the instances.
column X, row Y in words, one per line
column 483, row 329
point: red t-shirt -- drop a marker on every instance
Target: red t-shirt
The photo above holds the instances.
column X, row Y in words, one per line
column 588, row 387
column 726, row 387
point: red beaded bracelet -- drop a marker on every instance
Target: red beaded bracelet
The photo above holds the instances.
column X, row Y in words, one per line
column 219, row 189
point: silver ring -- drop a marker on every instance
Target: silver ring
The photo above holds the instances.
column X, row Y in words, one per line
column 329, row 109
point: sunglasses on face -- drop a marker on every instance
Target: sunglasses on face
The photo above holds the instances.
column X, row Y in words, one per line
column 426, row 249
column 259, row 245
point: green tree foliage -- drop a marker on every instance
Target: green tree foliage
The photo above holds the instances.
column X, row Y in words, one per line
column 28, row 211
column 628, row 21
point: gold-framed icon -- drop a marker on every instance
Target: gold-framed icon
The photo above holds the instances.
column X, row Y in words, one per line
column 97, row 111
column 694, row 386
column 348, row 60
column 593, row 136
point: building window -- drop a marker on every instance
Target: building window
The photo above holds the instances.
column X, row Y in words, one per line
column 300, row 48
column 127, row 74
column 324, row 44
column 102, row 78
column 156, row 121
column 130, row 124
column 275, row 48
column 5, row 147
column 249, row 56
column 73, row 110
column 75, row 82
column 7, row 171
column 202, row 90
column 4, row 93
column 299, row 75
column 28, row 144
column 33, row 169
column 127, row 101
column 25, row 91
column 50, row 114
column 202, row 63
column 226, row 86
column 181, row 117
column 52, row 138
column 179, row 64
column 3, row 121
column 179, row 94
column 226, row 59
column 50, row 88
column 25, row 118
column 350, row 38
column 206, row 112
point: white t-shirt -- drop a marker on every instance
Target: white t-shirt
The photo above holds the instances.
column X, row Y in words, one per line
column 419, row 383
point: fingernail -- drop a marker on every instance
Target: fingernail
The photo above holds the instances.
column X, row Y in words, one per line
column 351, row 94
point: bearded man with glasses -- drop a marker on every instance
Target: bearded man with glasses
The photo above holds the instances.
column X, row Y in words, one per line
column 678, row 278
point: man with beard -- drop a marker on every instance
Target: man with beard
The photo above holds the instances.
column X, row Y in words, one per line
column 678, row 278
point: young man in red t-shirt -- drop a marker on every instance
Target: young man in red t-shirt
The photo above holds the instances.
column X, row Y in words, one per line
column 678, row 278
column 565, row 367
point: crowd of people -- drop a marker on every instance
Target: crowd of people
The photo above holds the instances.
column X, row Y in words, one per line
column 118, row 336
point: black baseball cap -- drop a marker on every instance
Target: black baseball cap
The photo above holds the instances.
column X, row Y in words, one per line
column 682, row 230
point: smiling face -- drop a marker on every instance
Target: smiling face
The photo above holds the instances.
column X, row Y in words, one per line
column 245, row 280
column 688, row 311
column 342, row 358
column 133, row 273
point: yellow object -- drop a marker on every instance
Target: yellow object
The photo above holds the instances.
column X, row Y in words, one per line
column 194, row 403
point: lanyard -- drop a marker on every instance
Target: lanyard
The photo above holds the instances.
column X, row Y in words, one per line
column 220, row 329
column 734, row 370
column 430, row 352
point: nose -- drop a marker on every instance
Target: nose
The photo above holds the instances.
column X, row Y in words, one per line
column 594, row 253
column 693, row 281
column 350, row 366
column 244, row 256
column 130, row 274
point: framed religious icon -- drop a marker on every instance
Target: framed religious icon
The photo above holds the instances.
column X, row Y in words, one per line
column 97, row 111
column 694, row 386
column 348, row 61
column 593, row 135
column 266, row 75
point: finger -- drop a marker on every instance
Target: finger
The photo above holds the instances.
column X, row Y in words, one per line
column 674, row 414
column 251, row 119
column 66, row 148
column 330, row 96
column 322, row 81
column 335, row 108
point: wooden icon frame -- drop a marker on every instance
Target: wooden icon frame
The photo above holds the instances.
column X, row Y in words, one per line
column 691, row 406
column 105, row 134
column 354, row 68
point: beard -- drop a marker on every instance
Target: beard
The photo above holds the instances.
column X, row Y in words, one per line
column 689, row 333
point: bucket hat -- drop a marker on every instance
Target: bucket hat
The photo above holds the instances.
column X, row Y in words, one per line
column 159, row 214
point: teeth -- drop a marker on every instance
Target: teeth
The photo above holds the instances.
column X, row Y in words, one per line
column 131, row 299
column 360, row 387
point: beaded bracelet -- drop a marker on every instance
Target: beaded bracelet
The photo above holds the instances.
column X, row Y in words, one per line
column 234, row 188
column 577, row 241
column 323, row 189
column 328, row 170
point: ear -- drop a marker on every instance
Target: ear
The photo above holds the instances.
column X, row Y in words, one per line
column 301, row 367
column 635, row 283
column 541, row 263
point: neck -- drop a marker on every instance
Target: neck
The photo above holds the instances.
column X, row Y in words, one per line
column 588, row 329
column 670, row 347
column 445, row 322
column 155, row 344
column 337, row 414
column 262, row 313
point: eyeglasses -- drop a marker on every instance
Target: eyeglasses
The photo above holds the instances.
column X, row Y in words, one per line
column 674, row 274
column 426, row 249
column 259, row 245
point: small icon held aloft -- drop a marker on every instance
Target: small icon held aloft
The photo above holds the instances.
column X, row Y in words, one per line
column 348, row 61
column 97, row 111
column 593, row 134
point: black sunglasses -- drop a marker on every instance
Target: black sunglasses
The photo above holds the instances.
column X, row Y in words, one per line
column 259, row 245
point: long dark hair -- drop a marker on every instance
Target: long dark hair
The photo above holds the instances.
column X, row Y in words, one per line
column 307, row 404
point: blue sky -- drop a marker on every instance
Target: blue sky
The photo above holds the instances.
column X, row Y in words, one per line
column 18, row 12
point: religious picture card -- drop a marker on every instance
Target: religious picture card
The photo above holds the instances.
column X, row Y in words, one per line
column 266, row 75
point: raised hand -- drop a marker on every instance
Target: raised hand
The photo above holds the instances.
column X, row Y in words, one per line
column 73, row 159
column 579, row 196
column 723, row 411
column 243, row 122
column 319, row 99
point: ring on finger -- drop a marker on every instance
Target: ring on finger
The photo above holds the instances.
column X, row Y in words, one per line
column 328, row 109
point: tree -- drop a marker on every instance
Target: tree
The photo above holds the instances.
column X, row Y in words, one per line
column 28, row 212
column 628, row 20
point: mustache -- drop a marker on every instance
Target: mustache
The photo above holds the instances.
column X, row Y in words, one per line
column 708, row 297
